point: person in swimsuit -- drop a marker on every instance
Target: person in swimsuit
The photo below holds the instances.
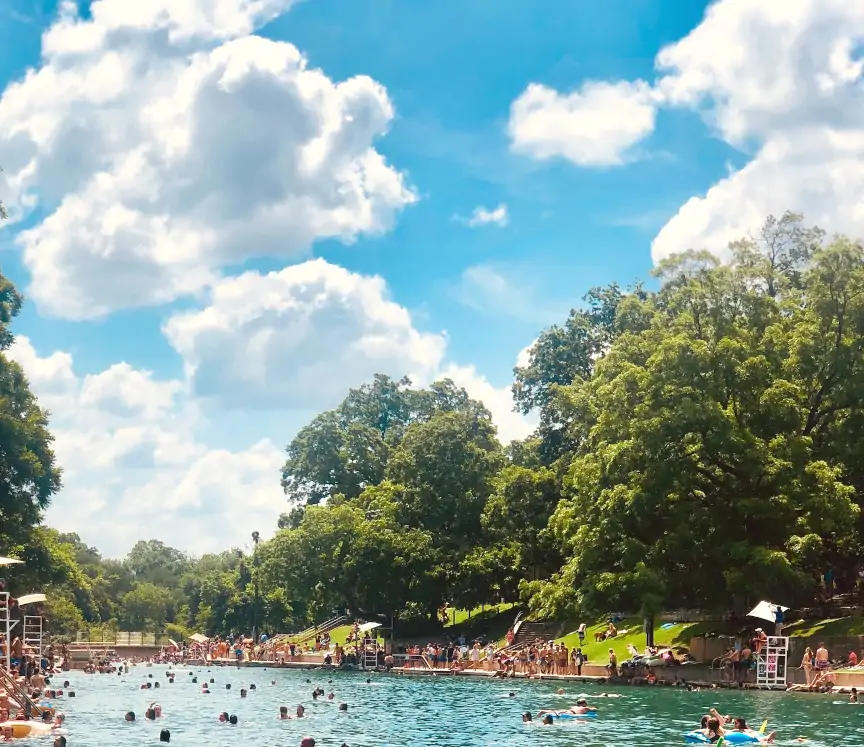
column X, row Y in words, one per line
column 822, row 662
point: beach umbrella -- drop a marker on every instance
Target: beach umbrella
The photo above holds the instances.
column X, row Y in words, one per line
column 30, row 599
column 766, row 611
column 173, row 643
column 368, row 626
column 199, row 638
column 9, row 561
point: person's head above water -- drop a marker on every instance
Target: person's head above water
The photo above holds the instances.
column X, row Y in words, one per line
column 548, row 720
column 300, row 711
column 232, row 719
column 223, row 716
column 343, row 706
column 307, row 742
column 527, row 716
column 164, row 735
column 130, row 715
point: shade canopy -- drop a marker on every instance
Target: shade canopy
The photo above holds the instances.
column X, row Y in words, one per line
column 199, row 638
column 766, row 611
column 9, row 561
column 30, row 599
column 368, row 626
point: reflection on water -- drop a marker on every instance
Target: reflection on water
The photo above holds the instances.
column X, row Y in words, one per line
column 440, row 711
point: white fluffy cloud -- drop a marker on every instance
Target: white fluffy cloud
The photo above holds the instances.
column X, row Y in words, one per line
column 482, row 216
column 133, row 468
column 783, row 79
column 595, row 125
column 163, row 142
column 299, row 337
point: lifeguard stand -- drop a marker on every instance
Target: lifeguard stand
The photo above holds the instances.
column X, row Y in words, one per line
column 771, row 663
column 33, row 631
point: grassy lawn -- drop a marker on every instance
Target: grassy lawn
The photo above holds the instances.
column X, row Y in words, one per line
column 851, row 625
column 459, row 617
column 674, row 635
column 680, row 634
column 337, row 634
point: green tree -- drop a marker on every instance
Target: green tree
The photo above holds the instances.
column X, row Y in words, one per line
column 27, row 465
column 145, row 608
column 346, row 450
column 703, row 476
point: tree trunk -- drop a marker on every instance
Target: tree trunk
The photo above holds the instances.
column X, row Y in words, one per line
column 649, row 630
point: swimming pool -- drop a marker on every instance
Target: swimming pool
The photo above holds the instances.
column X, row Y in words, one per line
column 440, row 711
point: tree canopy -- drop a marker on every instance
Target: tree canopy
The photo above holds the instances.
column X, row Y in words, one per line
column 700, row 443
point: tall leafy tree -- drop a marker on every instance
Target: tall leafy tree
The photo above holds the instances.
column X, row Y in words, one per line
column 703, row 476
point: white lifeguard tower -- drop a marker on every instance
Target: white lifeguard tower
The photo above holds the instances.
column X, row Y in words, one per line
column 32, row 633
column 34, row 625
column 772, row 663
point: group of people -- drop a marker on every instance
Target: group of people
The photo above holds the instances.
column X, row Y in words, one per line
column 27, row 702
column 715, row 727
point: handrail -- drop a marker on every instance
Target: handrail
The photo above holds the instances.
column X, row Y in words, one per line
column 303, row 635
column 10, row 683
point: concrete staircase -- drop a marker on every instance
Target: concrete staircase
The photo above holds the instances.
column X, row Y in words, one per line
column 530, row 631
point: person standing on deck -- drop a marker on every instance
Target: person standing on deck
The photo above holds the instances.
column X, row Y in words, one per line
column 822, row 663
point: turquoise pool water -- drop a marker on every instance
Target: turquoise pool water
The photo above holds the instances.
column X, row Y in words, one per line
column 442, row 711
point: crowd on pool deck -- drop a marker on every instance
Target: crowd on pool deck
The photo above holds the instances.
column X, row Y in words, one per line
column 27, row 697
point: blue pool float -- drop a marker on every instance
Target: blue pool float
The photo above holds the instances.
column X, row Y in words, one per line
column 565, row 716
column 731, row 737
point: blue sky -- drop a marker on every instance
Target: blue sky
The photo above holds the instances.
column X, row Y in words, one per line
column 651, row 126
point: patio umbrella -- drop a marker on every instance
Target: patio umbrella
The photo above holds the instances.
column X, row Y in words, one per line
column 198, row 638
column 368, row 626
column 30, row 599
column 9, row 561
column 766, row 611
column 173, row 643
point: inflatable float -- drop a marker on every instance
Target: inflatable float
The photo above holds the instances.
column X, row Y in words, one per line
column 730, row 737
column 22, row 729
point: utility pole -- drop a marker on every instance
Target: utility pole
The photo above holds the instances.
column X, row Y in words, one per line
column 255, row 538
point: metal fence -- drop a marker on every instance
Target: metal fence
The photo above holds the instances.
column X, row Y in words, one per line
column 116, row 637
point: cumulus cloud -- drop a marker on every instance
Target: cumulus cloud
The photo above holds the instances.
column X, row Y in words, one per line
column 133, row 468
column 163, row 142
column 780, row 82
column 596, row 125
column 299, row 337
column 482, row 216
column 785, row 82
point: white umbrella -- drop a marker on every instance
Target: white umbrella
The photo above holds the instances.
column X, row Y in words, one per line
column 9, row 561
column 31, row 599
column 766, row 611
column 199, row 638
column 173, row 643
column 368, row 626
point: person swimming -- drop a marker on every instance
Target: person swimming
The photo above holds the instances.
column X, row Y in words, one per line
column 853, row 696
column 740, row 725
column 130, row 716
column 527, row 717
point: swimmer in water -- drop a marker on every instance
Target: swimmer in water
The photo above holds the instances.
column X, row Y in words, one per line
column 223, row 717
column 130, row 716
column 548, row 720
column 527, row 717
column 283, row 712
column 853, row 697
